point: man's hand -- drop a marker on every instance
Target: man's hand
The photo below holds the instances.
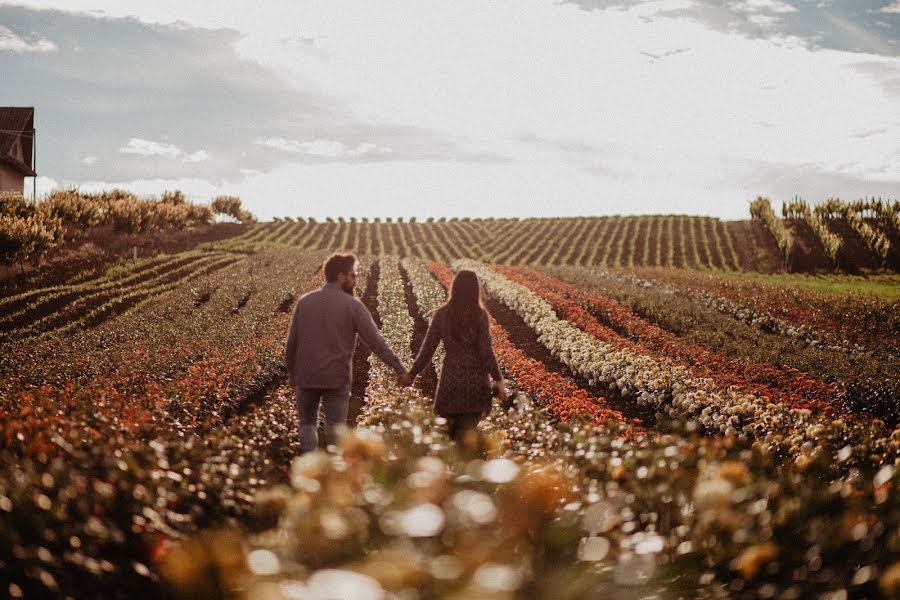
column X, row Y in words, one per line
column 292, row 381
column 405, row 379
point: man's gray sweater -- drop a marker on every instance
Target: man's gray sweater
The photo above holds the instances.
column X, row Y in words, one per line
column 319, row 348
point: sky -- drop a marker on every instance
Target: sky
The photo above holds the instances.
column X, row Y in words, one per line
column 462, row 108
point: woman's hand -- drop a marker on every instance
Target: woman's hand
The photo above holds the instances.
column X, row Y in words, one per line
column 405, row 380
column 501, row 390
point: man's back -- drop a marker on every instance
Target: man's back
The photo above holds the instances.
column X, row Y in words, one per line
column 320, row 344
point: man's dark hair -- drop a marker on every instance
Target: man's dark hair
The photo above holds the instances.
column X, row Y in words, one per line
column 337, row 264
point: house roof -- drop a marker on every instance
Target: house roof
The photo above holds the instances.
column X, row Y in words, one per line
column 17, row 122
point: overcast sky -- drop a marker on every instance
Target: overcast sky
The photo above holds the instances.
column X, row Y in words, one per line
column 463, row 108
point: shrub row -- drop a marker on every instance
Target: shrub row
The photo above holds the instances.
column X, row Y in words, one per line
column 30, row 229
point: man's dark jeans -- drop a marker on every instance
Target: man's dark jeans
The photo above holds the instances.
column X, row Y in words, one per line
column 336, row 404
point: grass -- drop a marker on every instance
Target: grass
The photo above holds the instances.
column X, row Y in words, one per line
column 886, row 286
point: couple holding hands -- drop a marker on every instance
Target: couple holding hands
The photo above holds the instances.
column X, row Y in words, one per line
column 319, row 352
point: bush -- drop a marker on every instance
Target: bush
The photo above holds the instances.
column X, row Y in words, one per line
column 231, row 207
column 176, row 198
column 123, row 211
column 75, row 209
column 13, row 204
column 22, row 237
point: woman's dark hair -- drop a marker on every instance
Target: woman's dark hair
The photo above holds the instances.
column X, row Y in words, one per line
column 464, row 307
column 337, row 264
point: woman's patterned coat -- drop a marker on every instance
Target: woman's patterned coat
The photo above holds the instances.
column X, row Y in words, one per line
column 464, row 385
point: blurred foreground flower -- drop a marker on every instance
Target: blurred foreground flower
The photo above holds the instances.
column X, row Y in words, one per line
column 209, row 565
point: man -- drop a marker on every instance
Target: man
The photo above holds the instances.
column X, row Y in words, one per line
column 320, row 345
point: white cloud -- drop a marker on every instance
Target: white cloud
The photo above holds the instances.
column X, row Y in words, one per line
column 764, row 20
column 144, row 147
column 892, row 8
column 652, row 8
column 89, row 160
column 150, row 148
column 322, row 148
column 776, row 6
column 198, row 156
column 11, row 42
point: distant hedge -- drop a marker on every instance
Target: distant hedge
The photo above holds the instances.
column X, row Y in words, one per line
column 26, row 230
column 29, row 229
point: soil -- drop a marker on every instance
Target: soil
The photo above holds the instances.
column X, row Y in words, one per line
column 704, row 244
column 755, row 246
column 641, row 243
column 808, row 255
column 677, row 243
column 716, row 252
column 855, row 254
column 614, row 253
column 583, row 239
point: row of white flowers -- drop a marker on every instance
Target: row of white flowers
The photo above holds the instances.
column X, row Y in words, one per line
column 404, row 412
column 430, row 295
column 673, row 391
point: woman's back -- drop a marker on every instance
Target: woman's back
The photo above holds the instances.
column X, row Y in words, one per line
column 469, row 362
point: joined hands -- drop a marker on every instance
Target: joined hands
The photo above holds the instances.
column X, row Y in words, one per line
column 405, row 379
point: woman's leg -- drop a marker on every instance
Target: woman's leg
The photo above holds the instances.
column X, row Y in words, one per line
column 463, row 429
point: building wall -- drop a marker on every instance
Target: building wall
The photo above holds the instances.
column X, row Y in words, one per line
column 11, row 180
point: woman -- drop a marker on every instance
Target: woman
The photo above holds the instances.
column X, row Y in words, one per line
column 463, row 393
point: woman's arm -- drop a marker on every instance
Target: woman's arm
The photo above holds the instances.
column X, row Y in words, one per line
column 429, row 345
column 486, row 348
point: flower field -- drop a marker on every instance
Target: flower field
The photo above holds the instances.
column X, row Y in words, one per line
column 666, row 436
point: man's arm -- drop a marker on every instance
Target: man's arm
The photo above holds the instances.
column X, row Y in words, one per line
column 290, row 347
column 368, row 331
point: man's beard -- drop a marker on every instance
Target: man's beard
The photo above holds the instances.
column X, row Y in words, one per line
column 350, row 288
